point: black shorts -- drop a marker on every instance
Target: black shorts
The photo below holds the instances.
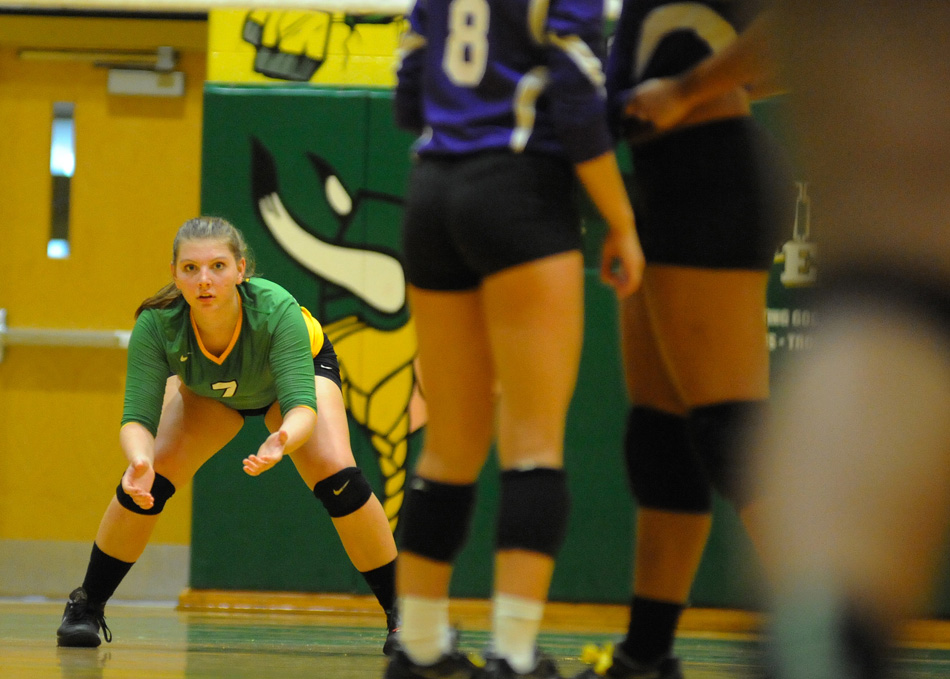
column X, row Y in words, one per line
column 472, row 216
column 325, row 364
column 718, row 195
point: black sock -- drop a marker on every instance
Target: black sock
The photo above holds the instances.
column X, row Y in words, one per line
column 103, row 575
column 382, row 581
column 652, row 629
column 864, row 644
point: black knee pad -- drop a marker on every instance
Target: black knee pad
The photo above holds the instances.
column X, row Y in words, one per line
column 662, row 466
column 162, row 490
column 344, row 492
column 718, row 432
column 436, row 518
column 533, row 511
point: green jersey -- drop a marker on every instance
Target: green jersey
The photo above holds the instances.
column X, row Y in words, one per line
column 270, row 357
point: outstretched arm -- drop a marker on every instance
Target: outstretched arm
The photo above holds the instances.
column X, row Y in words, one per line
column 138, row 444
column 297, row 427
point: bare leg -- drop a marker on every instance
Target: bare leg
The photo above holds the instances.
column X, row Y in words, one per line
column 711, row 327
column 185, row 441
column 455, row 358
column 191, row 430
column 691, row 337
column 535, row 315
column 365, row 533
column 669, row 545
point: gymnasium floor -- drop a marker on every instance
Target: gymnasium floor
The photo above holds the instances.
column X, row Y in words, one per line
column 341, row 637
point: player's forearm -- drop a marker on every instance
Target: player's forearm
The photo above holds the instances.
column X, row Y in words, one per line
column 299, row 423
column 137, row 443
column 601, row 179
column 748, row 62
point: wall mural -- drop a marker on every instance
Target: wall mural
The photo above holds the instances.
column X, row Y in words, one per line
column 381, row 384
column 294, row 45
column 319, row 47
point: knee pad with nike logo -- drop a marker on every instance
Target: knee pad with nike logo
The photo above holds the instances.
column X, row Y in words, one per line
column 344, row 492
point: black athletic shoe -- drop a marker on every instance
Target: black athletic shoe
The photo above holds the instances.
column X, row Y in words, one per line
column 454, row 665
column 392, row 635
column 623, row 667
column 498, row 668
column 82, row 621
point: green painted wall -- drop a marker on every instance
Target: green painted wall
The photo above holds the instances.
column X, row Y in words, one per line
column 269, row 532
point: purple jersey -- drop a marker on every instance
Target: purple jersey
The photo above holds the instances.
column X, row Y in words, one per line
column 662, row 38
column 523, row 75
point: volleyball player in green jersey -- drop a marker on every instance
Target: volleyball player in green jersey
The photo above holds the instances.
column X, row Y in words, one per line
column 209, row 349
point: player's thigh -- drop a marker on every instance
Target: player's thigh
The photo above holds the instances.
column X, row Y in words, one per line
column 535, row 313
column 711, row 325
column 647, row 372
column 328, row 450
column 456, row 362
column 192, row 429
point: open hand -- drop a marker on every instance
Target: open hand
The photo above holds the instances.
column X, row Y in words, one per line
column 270, row 453
column 137, row 482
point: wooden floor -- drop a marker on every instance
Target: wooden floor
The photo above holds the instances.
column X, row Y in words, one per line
column 254, row 636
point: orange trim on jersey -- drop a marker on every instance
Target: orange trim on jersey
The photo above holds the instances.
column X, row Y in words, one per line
column 234, row 338
column 301, row 405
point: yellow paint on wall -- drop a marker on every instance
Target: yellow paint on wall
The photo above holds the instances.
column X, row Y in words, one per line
column 137, row 177
column 60, row 460
column 264, row 46
column 100, row 33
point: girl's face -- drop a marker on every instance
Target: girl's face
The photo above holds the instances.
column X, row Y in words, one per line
column 206, row 273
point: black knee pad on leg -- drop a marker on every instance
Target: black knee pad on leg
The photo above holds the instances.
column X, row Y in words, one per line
column 162, row 490
column 662, row 466
column 436, row 518
column 344, row 492
column 718, row 432
column 534, row 508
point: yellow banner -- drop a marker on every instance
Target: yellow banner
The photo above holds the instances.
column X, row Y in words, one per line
column 321, row 48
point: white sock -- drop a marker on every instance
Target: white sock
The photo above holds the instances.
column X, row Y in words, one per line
column 515, row 624
column 424, row 631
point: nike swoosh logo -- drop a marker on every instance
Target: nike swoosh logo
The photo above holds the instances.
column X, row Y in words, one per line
column 183, row 359
column 337, row 492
